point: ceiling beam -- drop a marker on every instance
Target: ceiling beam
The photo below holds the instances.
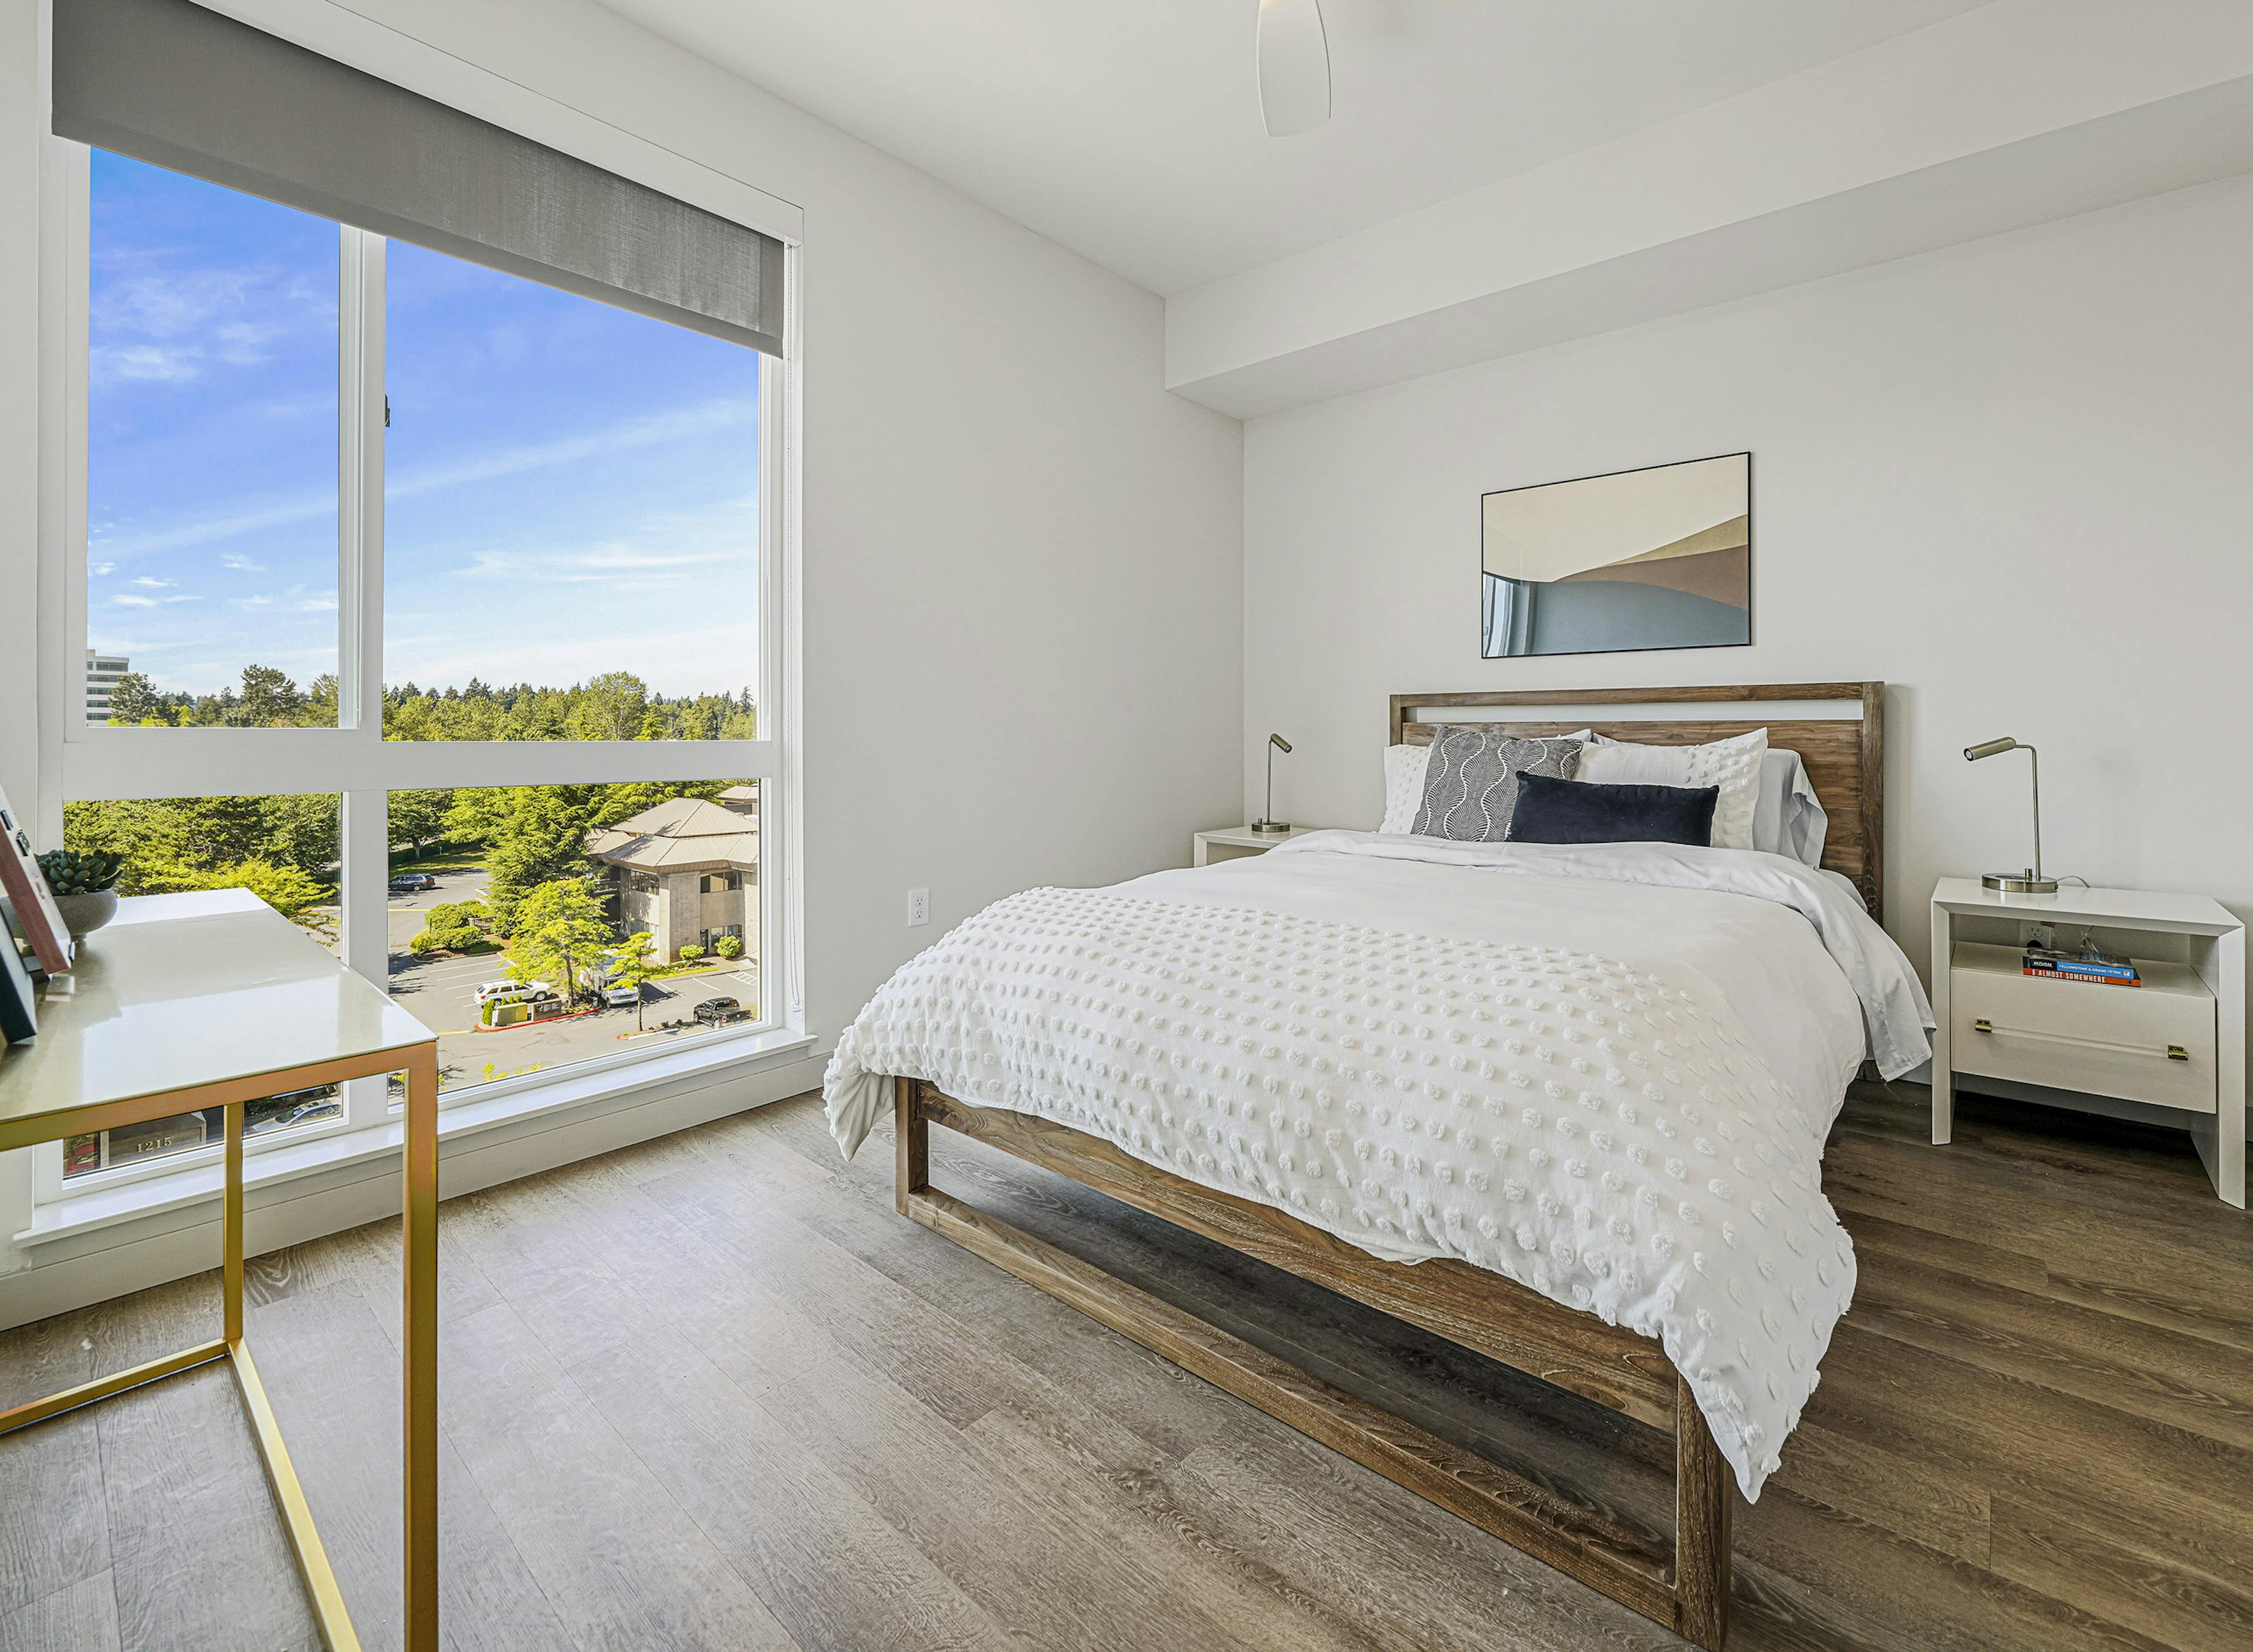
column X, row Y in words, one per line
column 2019, row 113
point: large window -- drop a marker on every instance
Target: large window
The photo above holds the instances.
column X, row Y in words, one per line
column 430, row 604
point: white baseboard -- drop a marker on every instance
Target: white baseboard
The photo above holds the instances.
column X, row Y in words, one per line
column 174, row 1243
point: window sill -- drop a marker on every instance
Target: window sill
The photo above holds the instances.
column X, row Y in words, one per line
column 79, row 1214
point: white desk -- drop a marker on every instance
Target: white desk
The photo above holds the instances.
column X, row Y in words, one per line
column 2178, row 1041
column 188, row 1001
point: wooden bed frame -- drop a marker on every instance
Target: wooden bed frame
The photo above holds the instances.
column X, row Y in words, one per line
column 1686, row 1589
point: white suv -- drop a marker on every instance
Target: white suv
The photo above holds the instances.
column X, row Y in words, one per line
column 511, row 992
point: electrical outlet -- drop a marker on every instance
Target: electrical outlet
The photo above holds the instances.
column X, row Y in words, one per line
column 918, row 907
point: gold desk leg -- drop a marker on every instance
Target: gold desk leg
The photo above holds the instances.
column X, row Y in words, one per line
column 420, row 1329
column 70, row 1399
column 328, row 1599
column 230, row 1225
column 337, row 1633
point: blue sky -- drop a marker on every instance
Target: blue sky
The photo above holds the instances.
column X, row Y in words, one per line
column 569, row 488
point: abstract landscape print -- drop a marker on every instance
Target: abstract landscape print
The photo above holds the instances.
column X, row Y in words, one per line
column 1657, row 558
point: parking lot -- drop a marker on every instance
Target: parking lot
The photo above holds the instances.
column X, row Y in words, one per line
column 441, row 992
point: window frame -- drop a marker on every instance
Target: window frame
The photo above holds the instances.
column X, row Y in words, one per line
column 81, row 762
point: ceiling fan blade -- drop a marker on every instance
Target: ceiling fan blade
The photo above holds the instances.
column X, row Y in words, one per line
column 1295, row 66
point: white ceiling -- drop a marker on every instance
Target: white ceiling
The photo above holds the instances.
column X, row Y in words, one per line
column 1129, row 129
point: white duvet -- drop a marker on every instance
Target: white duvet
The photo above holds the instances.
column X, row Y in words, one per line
column 1605, row 1072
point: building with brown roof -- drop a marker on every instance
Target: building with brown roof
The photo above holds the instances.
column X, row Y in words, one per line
column 686, row 870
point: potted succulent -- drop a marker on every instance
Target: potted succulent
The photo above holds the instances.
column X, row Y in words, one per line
column 85, row 887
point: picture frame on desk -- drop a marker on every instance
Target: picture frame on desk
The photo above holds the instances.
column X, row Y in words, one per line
column 26, row 885
column 19, row 1013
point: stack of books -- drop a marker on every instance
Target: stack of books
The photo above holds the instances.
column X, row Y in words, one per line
column 2100, row 967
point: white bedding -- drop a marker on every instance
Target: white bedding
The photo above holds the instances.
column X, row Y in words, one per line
column 1603, row 1072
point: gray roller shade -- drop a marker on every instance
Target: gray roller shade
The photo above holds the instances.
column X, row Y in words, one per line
column 168, row 82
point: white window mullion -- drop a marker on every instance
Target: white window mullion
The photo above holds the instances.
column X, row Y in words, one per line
column 363, row 827
column 359, row 483
column 781, row 817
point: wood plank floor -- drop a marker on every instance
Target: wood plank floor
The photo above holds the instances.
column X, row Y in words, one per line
column 713, row 1392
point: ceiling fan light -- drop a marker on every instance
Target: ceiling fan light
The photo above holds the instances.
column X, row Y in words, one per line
column 1295, row 66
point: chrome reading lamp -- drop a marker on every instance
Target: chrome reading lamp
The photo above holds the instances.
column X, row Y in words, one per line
column 2030, row 881
column 1268, row 822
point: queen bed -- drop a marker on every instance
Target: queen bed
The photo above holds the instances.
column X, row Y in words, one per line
column 1562, row 1104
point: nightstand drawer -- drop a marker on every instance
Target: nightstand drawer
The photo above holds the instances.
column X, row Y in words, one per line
column 2108, row 1041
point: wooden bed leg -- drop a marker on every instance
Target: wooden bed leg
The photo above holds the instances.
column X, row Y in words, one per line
column 913, row 1131
column 1705, row 1499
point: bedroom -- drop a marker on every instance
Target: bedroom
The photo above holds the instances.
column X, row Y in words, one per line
column 1103, row 436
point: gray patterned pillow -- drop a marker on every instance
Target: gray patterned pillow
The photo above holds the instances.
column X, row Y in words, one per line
column 1470, row 785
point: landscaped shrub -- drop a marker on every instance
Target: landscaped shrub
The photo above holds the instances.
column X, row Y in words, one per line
column 690, row 951
column 729, row 946
column 455, row 925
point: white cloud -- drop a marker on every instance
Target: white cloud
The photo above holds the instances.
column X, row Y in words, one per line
column 161, row 364
column 154, row 322
column 151, row 584
column 100, row 568
column 652, row 430
column 126, row 601
column 242, row 565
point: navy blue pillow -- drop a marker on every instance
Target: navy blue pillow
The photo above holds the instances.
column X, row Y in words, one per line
column 1591, row 811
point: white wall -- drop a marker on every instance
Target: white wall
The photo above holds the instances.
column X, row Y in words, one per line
column 2011, row 479
column 1023, row 609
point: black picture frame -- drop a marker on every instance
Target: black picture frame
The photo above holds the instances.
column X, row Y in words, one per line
column 20, row 1002
column 1726, row 633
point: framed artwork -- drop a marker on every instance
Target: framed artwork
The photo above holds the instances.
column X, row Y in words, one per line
column 1657, row 558
column 26, row 885
column 20, row 1002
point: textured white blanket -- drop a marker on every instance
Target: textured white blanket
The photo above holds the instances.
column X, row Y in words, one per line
column 1603, row 1132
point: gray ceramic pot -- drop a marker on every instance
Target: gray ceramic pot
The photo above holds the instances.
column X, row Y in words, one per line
column 83, row 914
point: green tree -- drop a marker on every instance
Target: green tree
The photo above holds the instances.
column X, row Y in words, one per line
column 270, row 700
column 301, row 831
column 559, row 929
column 133, row 700
column 612, row 706
column 284, row 887
column 417, row 818
column 635, row 966
column 533, row 841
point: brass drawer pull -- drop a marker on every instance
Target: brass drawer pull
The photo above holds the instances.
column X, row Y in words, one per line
column 2169, row 1052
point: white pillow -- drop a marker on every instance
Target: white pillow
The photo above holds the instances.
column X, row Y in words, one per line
column 1790, row 819
column 1733, row 765
column 1403, row 785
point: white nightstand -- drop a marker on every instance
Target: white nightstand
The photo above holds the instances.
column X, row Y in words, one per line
column 2176, row 1041
column 1233, row 843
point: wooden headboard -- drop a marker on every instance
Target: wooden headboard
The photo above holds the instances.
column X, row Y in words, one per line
column 1845, row 757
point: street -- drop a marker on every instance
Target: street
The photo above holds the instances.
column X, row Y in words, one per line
column 441, row 992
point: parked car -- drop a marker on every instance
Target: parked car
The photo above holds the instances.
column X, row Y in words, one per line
column 511, row 992
column 628, row 994
column 718, row 1012
column 412, row 883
